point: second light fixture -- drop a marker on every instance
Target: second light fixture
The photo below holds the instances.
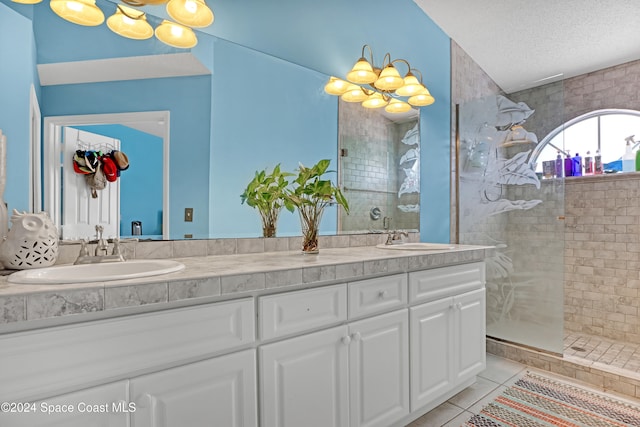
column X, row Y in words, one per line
column 381, row 87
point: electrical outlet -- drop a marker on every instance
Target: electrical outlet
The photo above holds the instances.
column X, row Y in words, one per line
column 188, row 214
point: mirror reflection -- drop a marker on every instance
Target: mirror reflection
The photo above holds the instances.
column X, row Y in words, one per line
column 217, row 139
column 379, row 169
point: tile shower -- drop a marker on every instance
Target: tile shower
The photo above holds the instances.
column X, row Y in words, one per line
column 595, row 223
column 375, row 163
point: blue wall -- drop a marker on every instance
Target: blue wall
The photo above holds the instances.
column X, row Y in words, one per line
column 190, row 115
column 141, row 183
column 283, row 116
column 15, row 84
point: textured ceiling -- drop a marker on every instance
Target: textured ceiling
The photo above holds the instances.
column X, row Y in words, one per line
column 523, row 44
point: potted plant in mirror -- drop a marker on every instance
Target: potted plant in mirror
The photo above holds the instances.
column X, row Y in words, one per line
column 311, row 195
column 265, row 192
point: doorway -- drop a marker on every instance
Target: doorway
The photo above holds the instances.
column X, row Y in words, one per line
column 156, row 122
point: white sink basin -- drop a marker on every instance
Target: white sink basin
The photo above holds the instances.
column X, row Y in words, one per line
column 419, row 246
column 95, row 272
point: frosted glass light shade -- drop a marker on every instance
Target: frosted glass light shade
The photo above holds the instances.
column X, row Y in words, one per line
column 336, row 86
column 375, row 100
column 26, row 1
column 125, row 26
column 193, row 13
column 81, row 12
column 389, row 79
column 176, row 35
column 411, row 86
column 362, row 73
column 397, row 106
column 422, row 99
column 354, row 94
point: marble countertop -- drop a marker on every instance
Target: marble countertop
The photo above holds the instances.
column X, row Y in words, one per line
column 212, row 278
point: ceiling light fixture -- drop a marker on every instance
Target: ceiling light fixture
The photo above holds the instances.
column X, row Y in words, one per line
column 377, row 87
column 131, row 23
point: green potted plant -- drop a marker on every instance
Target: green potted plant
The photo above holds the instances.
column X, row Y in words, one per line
column 266, row 192
column 311, row 195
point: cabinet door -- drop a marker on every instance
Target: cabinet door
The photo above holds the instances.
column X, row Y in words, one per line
column 379, row 369
column 470, row 346
column 219, row 391
column 101, row 406
column 432, row 357
column 304, row 380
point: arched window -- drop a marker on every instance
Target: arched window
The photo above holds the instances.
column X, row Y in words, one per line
column 601, row 130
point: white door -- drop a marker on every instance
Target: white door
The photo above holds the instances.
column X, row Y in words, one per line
column 81, row 212
column 216, row 392
column 305, row 380
column 379, row 369
column 101, row 406
column 432, row 358
column 470, row 334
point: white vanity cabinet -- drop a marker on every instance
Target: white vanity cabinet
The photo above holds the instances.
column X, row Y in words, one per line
column 376, row 352
column 447, row 332
column 219, row 391
column 354, row 374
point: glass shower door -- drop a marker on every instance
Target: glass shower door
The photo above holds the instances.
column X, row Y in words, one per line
column 504, row 203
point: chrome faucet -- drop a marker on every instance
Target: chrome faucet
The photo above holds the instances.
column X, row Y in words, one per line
column 101, row 253
column 395, row 237
column 102, row 248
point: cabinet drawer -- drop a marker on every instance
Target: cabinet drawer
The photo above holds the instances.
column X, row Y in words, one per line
column 41, row 362
column 299, row 311
column 428, row 285
column 376, row 295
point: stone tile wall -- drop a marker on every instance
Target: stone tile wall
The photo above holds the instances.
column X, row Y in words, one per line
column 602, row 256
column 371, row 172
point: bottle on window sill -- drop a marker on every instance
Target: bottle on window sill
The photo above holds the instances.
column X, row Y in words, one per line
column 577, row 165
column 628, row 159
column 588, row 164
column 568, row 166
column 597, row 163
column 559, row 165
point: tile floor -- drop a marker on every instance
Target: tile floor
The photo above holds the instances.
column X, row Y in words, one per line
column 497, row 377
column 600, row 350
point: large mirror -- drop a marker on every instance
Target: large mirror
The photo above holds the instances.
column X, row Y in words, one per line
column 227, row 120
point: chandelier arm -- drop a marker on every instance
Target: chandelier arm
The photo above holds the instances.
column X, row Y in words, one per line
column 128, row 15
column 370, row 54
column 387, row 57
column 415, row 70
column 405, row 62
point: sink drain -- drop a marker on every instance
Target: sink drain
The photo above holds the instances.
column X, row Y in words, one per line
column 576, row 348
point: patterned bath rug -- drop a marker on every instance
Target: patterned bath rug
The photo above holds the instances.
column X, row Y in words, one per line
column 537, row 401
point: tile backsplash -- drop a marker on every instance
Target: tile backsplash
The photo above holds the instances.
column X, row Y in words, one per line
column 194, row 248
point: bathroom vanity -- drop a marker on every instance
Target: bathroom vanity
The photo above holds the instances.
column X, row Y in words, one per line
column 356, row 336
